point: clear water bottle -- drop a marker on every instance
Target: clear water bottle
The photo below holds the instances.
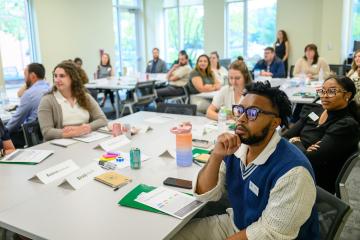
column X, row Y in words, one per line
column 321, row 75
column 222, row 115
column 256, row 74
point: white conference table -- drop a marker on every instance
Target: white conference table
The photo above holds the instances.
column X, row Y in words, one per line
column 289, row 86
column 40, row 211
column 124, row 83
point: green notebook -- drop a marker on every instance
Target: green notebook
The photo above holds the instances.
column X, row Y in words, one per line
column 129, row 199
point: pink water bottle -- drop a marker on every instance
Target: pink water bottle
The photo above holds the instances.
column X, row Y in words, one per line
column 183, row 144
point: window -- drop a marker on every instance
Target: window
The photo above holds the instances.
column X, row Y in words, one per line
column 355, row 33
column 16, row 40
column 184, row 28
column 250, row 27
column 126, row 28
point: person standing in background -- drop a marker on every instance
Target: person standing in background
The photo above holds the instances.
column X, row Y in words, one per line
column 282, row 48
column 105, row 70
column 219, row 71
column 156, row 65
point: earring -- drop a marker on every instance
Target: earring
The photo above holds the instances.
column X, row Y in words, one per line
column 347, row 99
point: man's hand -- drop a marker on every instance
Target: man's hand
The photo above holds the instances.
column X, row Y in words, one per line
column 226, row 144
column 238, row 236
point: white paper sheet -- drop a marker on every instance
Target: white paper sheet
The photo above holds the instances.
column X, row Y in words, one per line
column 91, row 137
column 27, row 156
column 169, row 201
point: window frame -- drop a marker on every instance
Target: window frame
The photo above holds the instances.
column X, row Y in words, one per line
column 137, row 11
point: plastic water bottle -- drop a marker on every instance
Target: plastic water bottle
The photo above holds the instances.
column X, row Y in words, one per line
column 184, row 149
column 256, row 74
column 321, row 75
column 222, row 115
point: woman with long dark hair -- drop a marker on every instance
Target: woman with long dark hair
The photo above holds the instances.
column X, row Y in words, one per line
column 68, row 110
column 281, row 47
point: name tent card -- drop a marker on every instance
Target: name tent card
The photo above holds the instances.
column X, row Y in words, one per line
column 114, row 143
column 55, row 172
column 82, row 176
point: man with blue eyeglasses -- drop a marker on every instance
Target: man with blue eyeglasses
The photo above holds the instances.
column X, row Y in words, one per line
column 269, row 183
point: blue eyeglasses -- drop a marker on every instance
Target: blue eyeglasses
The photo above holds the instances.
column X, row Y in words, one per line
column 251, row 112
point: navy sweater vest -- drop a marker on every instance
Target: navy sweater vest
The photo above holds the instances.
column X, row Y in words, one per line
column 243, row 184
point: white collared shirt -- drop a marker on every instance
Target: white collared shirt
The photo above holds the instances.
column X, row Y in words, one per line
column 72, row 115
column 290, row 200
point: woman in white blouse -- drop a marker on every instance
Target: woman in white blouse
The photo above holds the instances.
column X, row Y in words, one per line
column 68, row 110
column 231, row 94
column 354, row 74
column 221, row 74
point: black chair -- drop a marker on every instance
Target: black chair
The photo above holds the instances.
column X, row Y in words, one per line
column 143, row 94
column 32, row 133
column 183, row 109
column 225, row 62
column 344, row 173
column 333, row 214
column 338, row 69
column 183, row 99
column 291, row 71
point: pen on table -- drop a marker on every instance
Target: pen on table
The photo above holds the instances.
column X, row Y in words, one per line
column 194, row 161
column 115, row 189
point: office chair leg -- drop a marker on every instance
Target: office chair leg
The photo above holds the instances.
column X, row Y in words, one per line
column 122, row 111
column 131, row 109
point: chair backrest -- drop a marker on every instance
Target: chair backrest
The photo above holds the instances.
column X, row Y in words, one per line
column 344, row 173
column 291, row 71
column 332, row 214
column 145, row 91
column 32, row 133
column 225, row 62
column 183, row 109
column 337, row 69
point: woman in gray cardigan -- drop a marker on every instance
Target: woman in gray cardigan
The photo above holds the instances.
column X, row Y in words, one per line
column 68, row 110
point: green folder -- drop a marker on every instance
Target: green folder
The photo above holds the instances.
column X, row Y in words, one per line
column 129, row 199
column 197, row 151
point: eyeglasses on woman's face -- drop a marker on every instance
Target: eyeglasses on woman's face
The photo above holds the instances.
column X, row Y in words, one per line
column 330, row 92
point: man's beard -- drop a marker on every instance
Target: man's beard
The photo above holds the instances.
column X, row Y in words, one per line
column 255, row 139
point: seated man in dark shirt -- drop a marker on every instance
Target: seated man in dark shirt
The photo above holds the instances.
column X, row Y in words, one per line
column 270, row 66
column 330, row 136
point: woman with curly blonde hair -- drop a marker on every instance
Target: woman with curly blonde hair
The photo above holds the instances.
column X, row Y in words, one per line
column 68, row 110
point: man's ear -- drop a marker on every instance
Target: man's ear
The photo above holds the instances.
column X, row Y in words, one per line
column 276, row 122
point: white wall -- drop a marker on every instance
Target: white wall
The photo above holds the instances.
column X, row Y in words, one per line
column 214, row 26
column 74, row 28
column 310, row 21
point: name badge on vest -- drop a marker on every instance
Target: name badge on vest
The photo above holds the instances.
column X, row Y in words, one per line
column 313, row 116
column 254, row 188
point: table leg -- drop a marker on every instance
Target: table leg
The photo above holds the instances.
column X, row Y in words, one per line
column 117, row 103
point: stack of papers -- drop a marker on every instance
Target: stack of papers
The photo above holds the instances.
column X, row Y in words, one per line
column 26, row 156
column 63, row 142
column 91, row 137
column 169, row 201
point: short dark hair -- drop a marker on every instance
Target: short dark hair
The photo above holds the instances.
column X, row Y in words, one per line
column 77, row 59
column 269, row 49
column 277, row 97
column 38, row 69
column 155, row 48
column 184, row 53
